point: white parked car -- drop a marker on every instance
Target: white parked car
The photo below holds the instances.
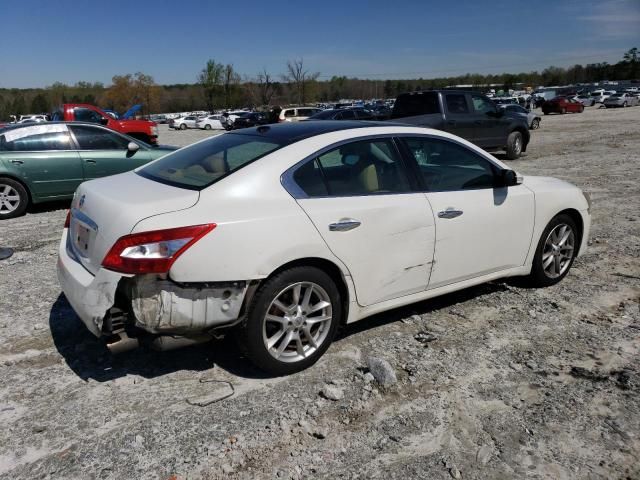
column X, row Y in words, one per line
column 285, row 232
column 211, row 122
column 295, row 114
column 183, row 123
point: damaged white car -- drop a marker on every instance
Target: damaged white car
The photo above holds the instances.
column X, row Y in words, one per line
column 285, row 232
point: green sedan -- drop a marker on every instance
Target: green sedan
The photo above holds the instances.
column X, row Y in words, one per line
column 47, row 161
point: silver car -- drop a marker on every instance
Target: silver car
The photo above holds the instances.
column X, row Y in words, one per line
column 533, row 120
column 586, row 100
column 621, row 100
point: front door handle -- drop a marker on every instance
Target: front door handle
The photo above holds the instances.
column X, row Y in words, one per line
column 17, row 162
column 450, row 213
column 344, row 225
column 89, row 160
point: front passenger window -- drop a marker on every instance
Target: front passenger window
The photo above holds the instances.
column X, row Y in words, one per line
column 446, row 166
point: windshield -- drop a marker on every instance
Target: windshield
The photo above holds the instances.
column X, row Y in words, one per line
column 202, row 164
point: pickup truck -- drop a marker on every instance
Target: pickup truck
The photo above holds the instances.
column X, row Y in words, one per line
column 81, row 112
column 469, row 115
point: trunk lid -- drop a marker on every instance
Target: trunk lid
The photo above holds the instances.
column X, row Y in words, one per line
column 105, row 209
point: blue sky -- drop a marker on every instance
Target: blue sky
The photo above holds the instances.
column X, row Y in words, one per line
column 44, row 41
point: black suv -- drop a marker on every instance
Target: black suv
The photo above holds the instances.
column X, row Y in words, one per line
column 469, row 115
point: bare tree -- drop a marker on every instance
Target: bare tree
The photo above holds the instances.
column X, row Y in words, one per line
column 300, row 78
column 266, row 86
column 229, row 80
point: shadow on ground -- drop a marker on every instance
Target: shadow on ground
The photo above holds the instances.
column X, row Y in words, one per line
column 89, row 358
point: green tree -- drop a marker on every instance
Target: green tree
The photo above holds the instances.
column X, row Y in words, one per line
column 211, row 80
column 18, row 107
column 40, row 104
column 230, row 80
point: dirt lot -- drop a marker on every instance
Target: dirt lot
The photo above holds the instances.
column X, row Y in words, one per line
column 515, row 383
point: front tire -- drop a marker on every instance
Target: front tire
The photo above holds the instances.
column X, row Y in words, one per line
column 535, row 124
column 563, row 111
column 207, row 127
column 514, row 145
column 556, row 251
column 183, row 127
column 14, row 199
column 292, row 320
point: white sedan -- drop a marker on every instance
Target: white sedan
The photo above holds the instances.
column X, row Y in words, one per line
column 211, row 122
column 285, row 232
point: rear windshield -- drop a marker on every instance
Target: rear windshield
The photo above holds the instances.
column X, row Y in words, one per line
column 410, row 105
column 202, row 164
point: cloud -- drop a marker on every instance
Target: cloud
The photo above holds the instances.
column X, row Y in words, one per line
column 614, row 19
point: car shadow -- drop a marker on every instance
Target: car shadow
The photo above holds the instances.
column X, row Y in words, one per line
column 89, row 358
column 49, row 206
column 425, row 307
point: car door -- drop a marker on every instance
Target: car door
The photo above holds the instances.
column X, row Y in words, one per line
column 459, row 119
column 104, row 152
column 43, row 157
column 491, row 124
column 359, row 198
column 480, row 228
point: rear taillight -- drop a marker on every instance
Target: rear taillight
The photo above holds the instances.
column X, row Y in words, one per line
column 67, row 221
column 153, row 252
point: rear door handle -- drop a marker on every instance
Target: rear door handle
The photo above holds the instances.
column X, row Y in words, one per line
column 89, row 160
column 17, row 162
column 344, row 225
column 450, row 213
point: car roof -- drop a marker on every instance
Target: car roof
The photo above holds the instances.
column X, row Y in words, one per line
column 11, row 126
column 291, row 132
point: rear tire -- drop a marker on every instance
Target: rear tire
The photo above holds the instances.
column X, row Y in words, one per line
column 553, row 258
column 535, row 124
column 296, row 336
column 514, row 145
column 207, row 127
column 14, row 199
column 563, row 111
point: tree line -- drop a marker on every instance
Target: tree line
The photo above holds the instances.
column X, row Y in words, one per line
column 220, row 86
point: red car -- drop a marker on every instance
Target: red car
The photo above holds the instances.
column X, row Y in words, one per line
column 562, row 105
column 80, row 112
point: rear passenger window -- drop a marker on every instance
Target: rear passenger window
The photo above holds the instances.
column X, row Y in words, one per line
column 289, row 113
column 456, row 103
column 360, row 168
column 35, row 140
column 412, row 104
column 447, row 166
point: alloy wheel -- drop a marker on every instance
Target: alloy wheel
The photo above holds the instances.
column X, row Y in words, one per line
column 558, row 251
column 297, row 322
column 9, row 199
column 517, row 147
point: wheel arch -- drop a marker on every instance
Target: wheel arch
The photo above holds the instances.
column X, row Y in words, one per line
column 331, row 269
column 21, row 182
column 578, row 220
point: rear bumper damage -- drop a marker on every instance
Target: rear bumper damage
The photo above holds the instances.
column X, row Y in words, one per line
column 127, row 310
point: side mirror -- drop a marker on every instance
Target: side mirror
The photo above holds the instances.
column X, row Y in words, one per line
column 510, row 178
column 133, row 147
column 104, row 120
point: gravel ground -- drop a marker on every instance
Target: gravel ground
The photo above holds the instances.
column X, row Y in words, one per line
column 493, row 382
